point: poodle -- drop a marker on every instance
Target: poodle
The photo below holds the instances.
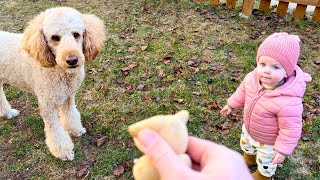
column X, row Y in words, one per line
column 48, row 61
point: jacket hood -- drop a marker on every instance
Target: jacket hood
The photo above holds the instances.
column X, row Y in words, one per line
column 295, row 85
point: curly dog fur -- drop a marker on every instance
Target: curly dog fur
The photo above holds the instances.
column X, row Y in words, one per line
column 48, row 60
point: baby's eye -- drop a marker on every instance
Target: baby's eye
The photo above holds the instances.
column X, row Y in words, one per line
column 262, row 64
column 276, row 67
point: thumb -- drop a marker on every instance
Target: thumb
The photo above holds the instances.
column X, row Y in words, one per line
column 159, row 151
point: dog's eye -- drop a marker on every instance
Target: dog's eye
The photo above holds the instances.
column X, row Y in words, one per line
column 76, row 35
column 55, row 38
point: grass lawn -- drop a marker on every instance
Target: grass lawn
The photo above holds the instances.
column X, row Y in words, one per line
column 160, row 57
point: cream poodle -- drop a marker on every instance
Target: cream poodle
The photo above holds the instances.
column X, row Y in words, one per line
column 48, row 60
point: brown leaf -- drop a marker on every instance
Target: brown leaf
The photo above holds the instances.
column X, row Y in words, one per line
column 204, row 68
column 82, row 172
column 131, row 65
column 225, row 125
column 212, row 105
column 191, row 46
column 308, row 120
column 140, row 87
column 120, row 81
column 194, row 70
column 88, row 162
column 132, row 49
column 161, row 73
column 196, row 93
column 206, row 52
column 118, row 170
column 101, row 141
column 178, row 100
column 143, row 48
column 167, row 58
column 317, row 61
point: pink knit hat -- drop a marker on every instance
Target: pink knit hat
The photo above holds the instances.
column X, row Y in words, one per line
column 283, row 47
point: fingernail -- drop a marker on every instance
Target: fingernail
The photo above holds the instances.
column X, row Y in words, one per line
column 146, row 137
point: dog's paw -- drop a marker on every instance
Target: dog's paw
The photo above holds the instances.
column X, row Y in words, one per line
column 60, row 144
column 78, row 132
column 12, row 113
column 68, row 156
column 64, row 152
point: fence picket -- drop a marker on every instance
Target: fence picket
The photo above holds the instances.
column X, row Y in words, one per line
column 264, row 5
column 300, row 11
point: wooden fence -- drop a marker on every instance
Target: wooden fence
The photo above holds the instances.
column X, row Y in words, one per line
column 282, row 8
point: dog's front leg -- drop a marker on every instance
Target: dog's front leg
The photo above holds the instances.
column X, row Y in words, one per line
column 70, row 117
column 57, row 139
column 5, row 108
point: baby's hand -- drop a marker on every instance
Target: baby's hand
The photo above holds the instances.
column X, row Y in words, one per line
column 226, row 110
column 278, row 158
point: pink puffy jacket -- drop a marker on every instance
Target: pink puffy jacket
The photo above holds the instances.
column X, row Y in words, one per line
column 272, row 117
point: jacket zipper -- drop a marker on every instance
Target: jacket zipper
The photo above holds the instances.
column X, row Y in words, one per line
column 255, row 99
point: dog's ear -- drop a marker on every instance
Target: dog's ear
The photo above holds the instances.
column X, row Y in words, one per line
column 34, row 43
column 94, row 36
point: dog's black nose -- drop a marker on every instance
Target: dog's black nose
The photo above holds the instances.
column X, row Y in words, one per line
column 72, row 60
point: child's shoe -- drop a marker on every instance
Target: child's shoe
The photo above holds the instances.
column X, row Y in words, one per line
column 258, row 176
column 250, row 159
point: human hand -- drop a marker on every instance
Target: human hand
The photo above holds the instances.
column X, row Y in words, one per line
column 226, row 110
column 278, row 158
column 210, row 160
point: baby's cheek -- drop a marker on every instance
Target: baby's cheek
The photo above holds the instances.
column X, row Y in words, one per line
column 277, row 77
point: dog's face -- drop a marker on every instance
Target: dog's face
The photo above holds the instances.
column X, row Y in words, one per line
column 64, row 37
column 63, row 32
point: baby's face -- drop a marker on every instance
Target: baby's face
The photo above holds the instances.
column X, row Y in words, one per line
column 269, row 71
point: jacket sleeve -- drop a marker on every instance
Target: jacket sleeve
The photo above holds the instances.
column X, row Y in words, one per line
column 237, row 99
column 290, row 127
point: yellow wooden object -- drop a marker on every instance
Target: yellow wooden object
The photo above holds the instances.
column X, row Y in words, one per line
column 282, row 8
column 264, row 5
column 247, row 7
column 214, row 2
column 305, row 2
column 316, row 15
column 231, row 3
column 300, row 11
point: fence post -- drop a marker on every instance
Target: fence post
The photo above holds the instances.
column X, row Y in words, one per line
column 282, row 8
column 300, row 11
column 316, row 15
column 247, row 7
column 231, row 3
column 264, row 5
column 214, row 2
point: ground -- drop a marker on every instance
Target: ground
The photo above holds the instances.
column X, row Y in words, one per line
column 160, row 57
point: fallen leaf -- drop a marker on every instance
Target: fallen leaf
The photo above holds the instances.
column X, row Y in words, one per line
column 140, row 87
column 225, row 125
column 196, row 93
column 167, row 58
column 143, row 48
column 317, row 61
column 212, row 105
column 118, row 170
column 132, row 49
column 191, row 46
column 82, row 172
column 178, row 100
column 161, row 73
column 101, row 141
